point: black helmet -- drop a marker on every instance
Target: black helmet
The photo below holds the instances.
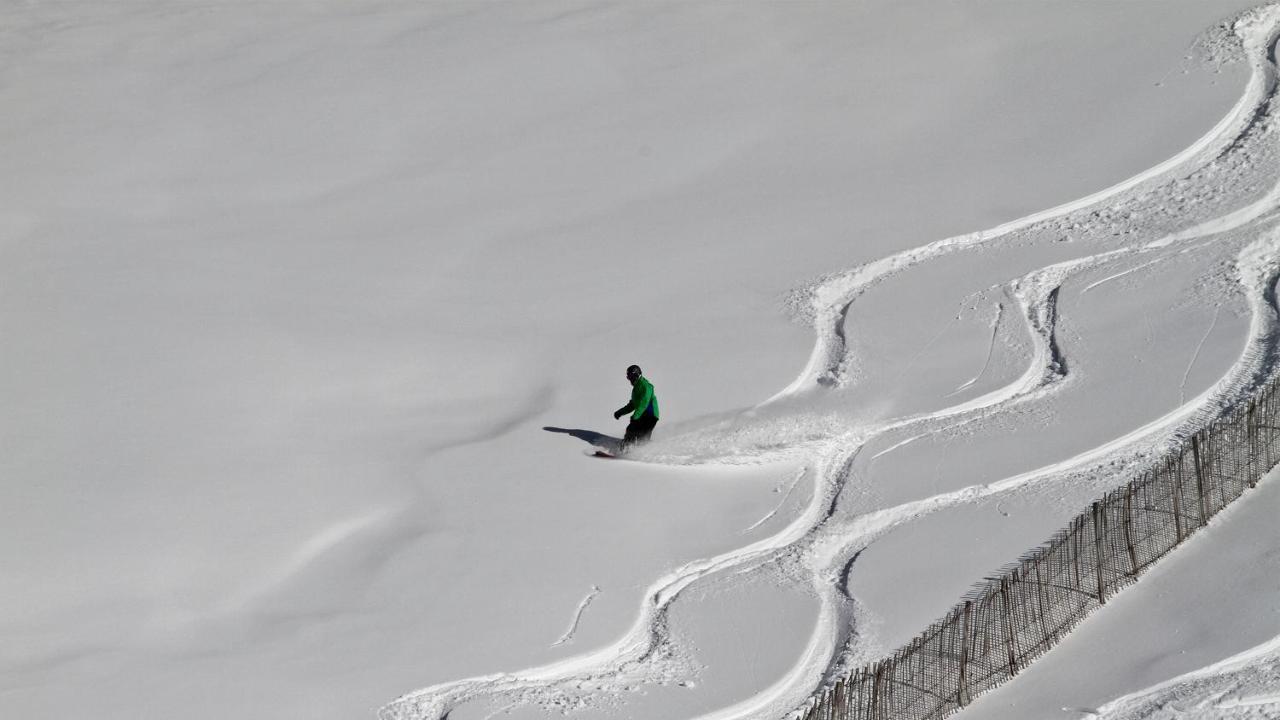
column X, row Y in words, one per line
column 633, row 372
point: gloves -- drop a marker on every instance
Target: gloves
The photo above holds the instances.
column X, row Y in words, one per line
column 617, row 414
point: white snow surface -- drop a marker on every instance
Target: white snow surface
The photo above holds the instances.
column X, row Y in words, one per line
column 311, row 306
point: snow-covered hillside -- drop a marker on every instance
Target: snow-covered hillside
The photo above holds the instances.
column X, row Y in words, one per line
column 310, row 307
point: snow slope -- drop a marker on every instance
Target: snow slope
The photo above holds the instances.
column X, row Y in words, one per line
column 316, row 302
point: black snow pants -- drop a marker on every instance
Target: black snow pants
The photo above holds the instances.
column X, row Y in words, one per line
column 639, row 430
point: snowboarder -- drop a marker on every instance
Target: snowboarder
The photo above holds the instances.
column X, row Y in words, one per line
column 643, row 408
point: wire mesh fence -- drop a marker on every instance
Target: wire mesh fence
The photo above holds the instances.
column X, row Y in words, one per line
column 1010, row 620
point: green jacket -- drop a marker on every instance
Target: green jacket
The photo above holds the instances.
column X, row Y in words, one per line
column 643, row 400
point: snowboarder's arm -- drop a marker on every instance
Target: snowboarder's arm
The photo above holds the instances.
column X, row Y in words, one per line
column 624, row 410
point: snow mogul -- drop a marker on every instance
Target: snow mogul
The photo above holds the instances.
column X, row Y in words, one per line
column 643, row 408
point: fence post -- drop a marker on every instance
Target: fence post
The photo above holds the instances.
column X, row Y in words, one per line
column 1044, row 618
column 837, row 698
column 1268, row 442
column 1077, row 525
column 890, row 687
column 962, row 692
column 1177, row 499
column 1010, row 646
column 852, row 693
column 1222, row 483
column 1128, row 529
column 1195, row 450
column 1253, row 445
column 875, row 692
column 1099, row 559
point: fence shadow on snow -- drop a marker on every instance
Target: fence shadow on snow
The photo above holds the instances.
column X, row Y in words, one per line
column 1010, row 620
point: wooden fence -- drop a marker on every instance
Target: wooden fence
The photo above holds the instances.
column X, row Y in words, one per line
column 1010, row 620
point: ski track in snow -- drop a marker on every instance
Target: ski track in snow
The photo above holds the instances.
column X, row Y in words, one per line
column 819, row 545
column 991, row 348
column 1182, row 387
column 794, row 482
column 897, row 445
column 577, row 616
column 1119, row 275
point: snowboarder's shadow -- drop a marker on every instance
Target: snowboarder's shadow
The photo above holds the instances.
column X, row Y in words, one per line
column 591, row 437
